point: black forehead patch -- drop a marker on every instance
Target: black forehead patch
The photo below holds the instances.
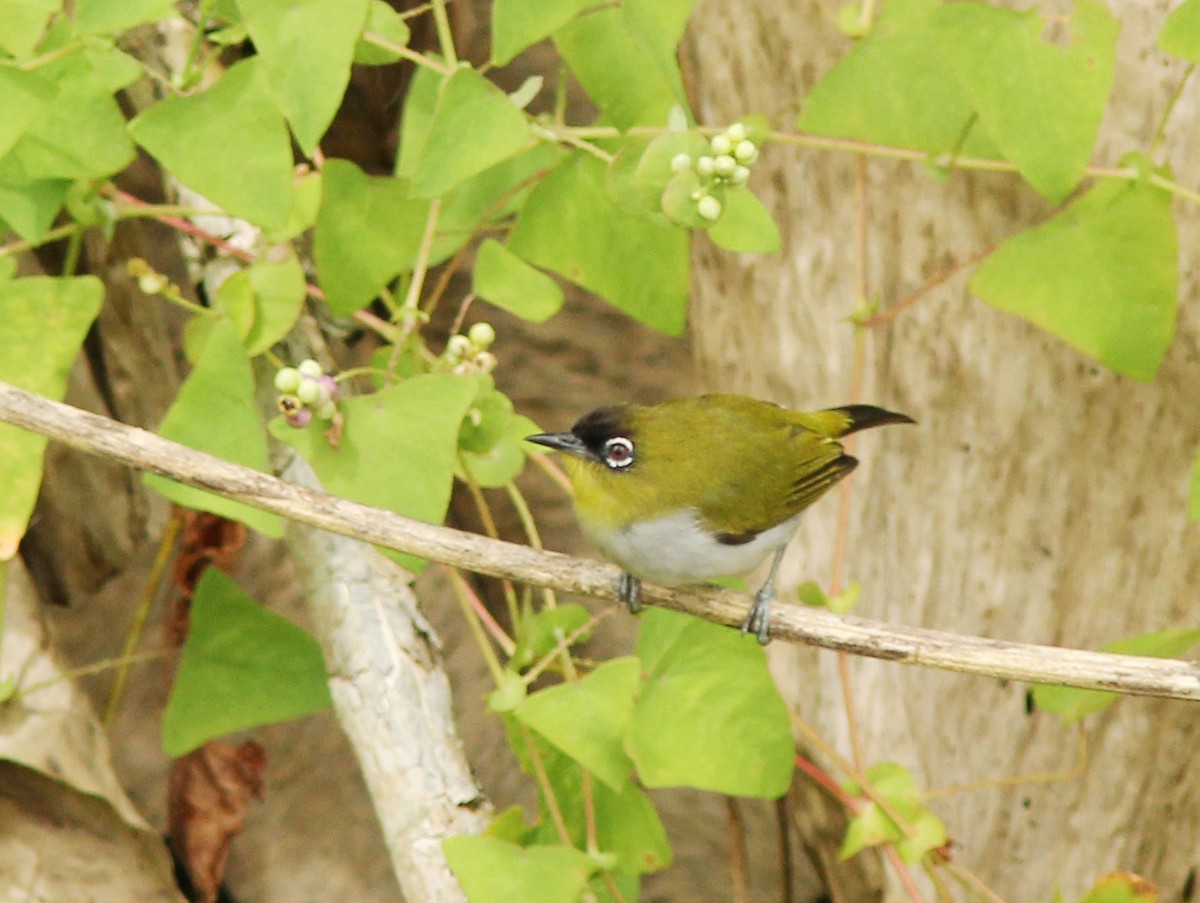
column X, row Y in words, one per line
column 596, row 428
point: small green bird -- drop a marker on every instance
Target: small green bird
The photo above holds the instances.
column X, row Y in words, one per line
column 705, row 486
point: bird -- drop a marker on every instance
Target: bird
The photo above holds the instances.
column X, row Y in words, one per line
column 703, row 486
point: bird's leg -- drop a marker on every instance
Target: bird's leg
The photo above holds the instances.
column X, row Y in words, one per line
column 629, row 591
column 758, row 621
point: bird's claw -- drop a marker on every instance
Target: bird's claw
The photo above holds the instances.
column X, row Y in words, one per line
column 629, row 591
column 758, row 621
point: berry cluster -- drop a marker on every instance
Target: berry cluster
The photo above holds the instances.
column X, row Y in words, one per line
column 733, row 153
column 306, row 390
column 469, row 353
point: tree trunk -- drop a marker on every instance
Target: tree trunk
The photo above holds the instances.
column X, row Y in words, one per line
column 1041, row 498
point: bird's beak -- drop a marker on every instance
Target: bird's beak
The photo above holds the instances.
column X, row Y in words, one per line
column 564, row 442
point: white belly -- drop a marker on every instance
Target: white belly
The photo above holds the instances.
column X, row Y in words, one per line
column 676, row 550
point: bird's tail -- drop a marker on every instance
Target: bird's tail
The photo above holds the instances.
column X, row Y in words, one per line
column 838, row 422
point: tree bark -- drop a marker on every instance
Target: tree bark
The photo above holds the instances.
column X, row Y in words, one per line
column 1041, row 499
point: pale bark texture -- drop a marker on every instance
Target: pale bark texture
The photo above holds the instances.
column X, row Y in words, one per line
column 1041, row 498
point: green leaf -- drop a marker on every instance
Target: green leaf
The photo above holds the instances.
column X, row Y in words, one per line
column 416, row 118
column 1194, row 494
column 509, row 693
column 279, row 288
column 59, row 313
column 30, row 207
column 229, row 143
column 811, row 594
column 242, row 665
column 509, row 825
column 495, row 871
column 540, row 633
column 494, row 195
column 569, row 225
column 113, row 16
column 23, row 23
column 474, row 127
column 503, row 279
column 50, row 147
column 383, row 23
column 873, row 826
column 23, row 95
column 587, row 719
column 516, row 24
column 1041, row 103
column 1122, row 887
column 1180, row 34
column 398, row 447
column 491, row 441
column 302, row 212
column 629, row 834
column 653, row 172
column 709, row 715
column 505, row 458
column 214, row 412
column 1073, row 704
column 368, row 230
column 1101, row 275
column 306, row 48
column 262, row 301
column 896, row 87
column 745, row 225
column 647, row 83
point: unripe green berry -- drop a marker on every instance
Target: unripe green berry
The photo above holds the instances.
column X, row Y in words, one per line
column 681, row 163
column 311, row 368
column 486, row 361
column 721, row 144
column 704, row 165
column 724, row 165
column 287, row 379
column 740, row 175
column 309, row 391
column 746, row 152
column 709, row 208
column 152, row 283
column 736, row 132
column 326, row 410
column 458, row 347
column 481, row 335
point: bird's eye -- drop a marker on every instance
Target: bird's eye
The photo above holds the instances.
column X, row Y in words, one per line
column 618, row 452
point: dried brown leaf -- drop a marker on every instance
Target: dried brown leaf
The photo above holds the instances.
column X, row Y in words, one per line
column 208, row 793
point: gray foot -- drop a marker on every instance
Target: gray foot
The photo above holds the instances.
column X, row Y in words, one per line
column 758, row 622
column 629, row 591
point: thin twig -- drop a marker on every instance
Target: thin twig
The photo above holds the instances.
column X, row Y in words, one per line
column 166, row 547
column 143, row 450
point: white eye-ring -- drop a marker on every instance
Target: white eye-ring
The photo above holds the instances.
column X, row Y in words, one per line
column 618, row 452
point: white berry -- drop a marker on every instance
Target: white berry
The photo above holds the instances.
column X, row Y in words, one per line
column 746, row 152
column 311, row 368
column 721, row 144
column 287, row 379
column 309, row 391
column 681, row 163
column 709, row 208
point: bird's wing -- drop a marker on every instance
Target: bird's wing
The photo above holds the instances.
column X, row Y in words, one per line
column 763, row 488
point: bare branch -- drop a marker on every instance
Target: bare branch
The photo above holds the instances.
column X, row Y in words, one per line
column 933, row 648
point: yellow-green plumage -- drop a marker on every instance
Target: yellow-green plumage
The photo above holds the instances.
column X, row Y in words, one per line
column 705, row 486
column 744, row 465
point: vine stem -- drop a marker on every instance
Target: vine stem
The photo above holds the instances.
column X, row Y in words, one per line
column 1026, row 662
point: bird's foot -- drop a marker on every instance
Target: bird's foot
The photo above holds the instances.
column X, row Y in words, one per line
column 629, row 591
column 758, row 622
